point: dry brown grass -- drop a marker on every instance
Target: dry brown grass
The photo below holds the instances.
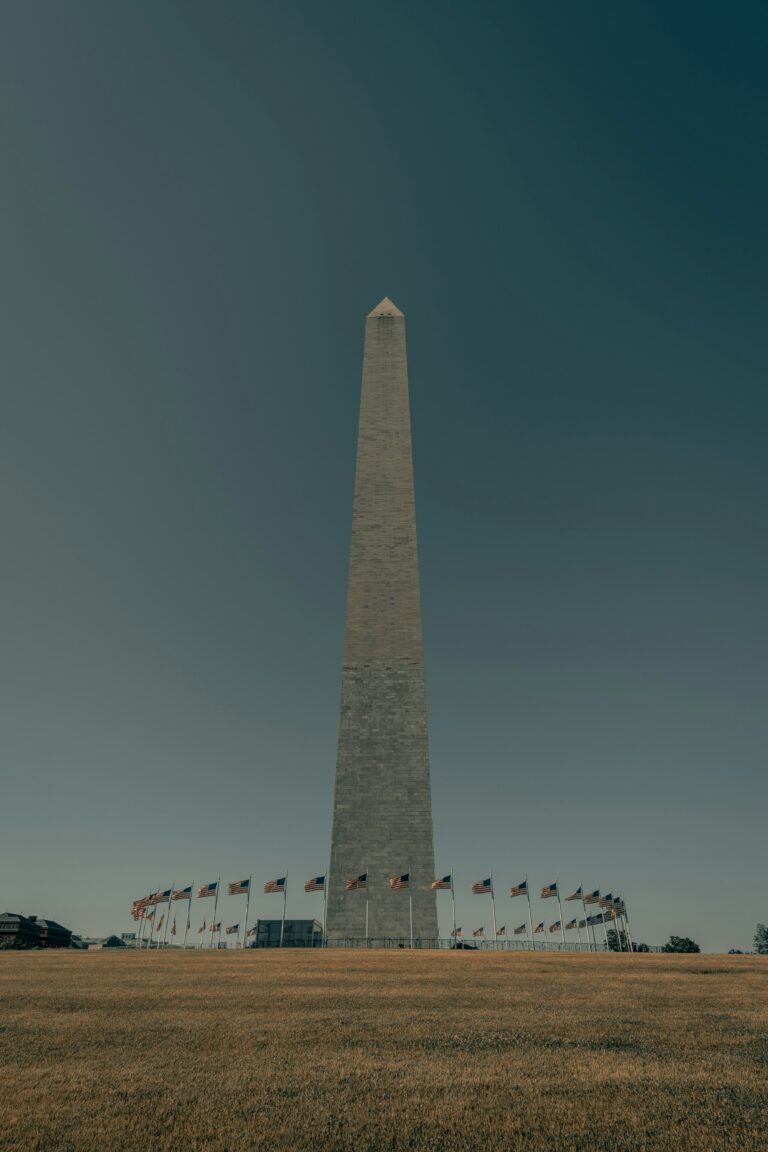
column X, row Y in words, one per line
column 297, row 1050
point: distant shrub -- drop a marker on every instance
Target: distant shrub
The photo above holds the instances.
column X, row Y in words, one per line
column 681, row 944
column 761, row 939
column 614, row 939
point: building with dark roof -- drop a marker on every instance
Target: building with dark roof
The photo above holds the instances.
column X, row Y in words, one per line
column 32, row 932
column 52, row 934
column 19, row 931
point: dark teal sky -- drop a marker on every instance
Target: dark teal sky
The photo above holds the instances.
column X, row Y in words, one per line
column 198, row 206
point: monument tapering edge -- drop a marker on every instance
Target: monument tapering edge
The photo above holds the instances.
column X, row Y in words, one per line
column 385, row 308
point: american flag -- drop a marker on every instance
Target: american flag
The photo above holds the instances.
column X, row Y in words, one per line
column 150, row 916
column 275, row 885
column 596, row 919
column 316, row 884
column 201, row 928
column 521, row 931
column 216, row 927
column 251, row 932
column 606, row 901
column 457, row 932
column 571, row 924
column 233, row 929
column 576, row 895
column 482, row 886
column 398, row 882
column 160, row 922
column 173, row 929
column 582, row 923
column 502, row 931
column 139, row 907
column 239, row 887
column 592, row 897
column 548, row 890
column 519, row 889
column 539, row 927
column 446, row 882
column 479, row 932
column 162, row 897
column 208, row 890
column 182, row 893
column 356, row 882
column 555, row 927
column 609, row 914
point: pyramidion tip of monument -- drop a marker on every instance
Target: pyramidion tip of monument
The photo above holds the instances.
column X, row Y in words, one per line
column 385, row 308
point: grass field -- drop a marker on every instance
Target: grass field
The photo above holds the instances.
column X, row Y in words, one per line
column 343, row 1051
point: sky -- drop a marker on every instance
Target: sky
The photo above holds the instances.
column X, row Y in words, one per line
column 198, row 206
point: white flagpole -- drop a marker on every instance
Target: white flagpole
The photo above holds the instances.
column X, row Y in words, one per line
column 367, row 880
column 617, row 930
column 144, row 929
column 410, row 911
column 453, row 907
column 629, row 930
column 285, row 898
column 140, row 932
column 605, row 930
column 530, row 915
column 153, row 939
column 165, row 930
column 189, row 914
column 247, row 906
column 493, row 911
column 560, row 906
column 593, row 945
column 215, row 906
column 325, row 904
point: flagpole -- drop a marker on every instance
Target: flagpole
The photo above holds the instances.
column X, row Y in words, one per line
column 141, row 927
column 144, row 930
column 215, row 906
column 453, row 907
column 493, row 910
column 165, row 931
column 617, row 930
column 621, row 918
column 530, row 916
column 325, row 904
column 410, row 912
column 247, row 905
column 367, row 881
column 560, row 906
column 593, row 946
column 285, row 898
column 189, row 914
column 629, row 930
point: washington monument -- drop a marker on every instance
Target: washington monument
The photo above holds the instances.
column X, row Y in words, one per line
column 382, row 819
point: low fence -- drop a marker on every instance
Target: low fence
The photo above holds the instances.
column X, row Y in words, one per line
column 478, row 945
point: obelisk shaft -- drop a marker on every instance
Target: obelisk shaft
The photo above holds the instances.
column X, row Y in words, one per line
column 382, row 820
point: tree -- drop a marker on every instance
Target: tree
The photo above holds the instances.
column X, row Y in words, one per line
column 761, row 939
column 681, row 944
column 613, row 941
